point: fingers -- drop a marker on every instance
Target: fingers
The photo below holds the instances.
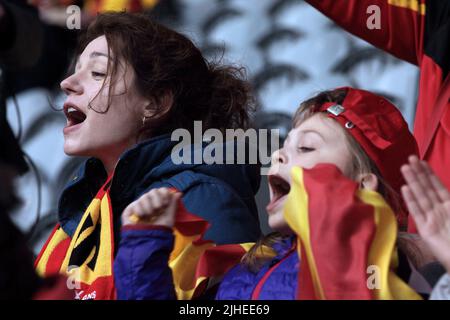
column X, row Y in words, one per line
column 441, row 190
column 150, row 206
column 154, row 200
column 423, row 176
column 417, row 190
column 174, row 199
column 413, row 206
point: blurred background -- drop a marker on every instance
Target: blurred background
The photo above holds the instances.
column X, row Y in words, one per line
column 289, row 49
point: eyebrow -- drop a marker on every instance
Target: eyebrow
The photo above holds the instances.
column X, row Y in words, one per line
column 313, row 131
column 93, row 54
column 98, row 54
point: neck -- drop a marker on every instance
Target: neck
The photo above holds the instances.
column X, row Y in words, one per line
column 111, row 157
column 110, row 169
column 110, row 161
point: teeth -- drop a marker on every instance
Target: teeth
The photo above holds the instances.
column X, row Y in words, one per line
column 71, row 109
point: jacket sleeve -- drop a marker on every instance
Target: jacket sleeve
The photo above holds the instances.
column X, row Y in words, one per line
column 401, row 25
column 441, row 290
column 141, row 270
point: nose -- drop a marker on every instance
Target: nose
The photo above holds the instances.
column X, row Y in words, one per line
column 71, row 85
column 279, row 157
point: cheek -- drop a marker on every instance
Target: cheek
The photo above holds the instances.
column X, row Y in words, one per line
column 121, row 121
column 342, row 159
column 338, row 157
column 97, row 98
column 306, row 160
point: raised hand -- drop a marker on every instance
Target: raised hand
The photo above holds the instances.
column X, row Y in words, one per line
column 156, row 207
column 428, row 202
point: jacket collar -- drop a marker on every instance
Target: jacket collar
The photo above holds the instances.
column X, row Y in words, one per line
column 132, row 166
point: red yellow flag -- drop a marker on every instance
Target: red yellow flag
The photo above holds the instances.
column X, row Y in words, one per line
column 346, row 238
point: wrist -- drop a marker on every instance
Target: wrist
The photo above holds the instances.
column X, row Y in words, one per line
column 440, row 251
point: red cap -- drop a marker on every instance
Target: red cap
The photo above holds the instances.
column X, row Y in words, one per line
column 379, row 128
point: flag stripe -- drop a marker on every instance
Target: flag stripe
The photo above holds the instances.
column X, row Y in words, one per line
column 414, row 5
column 297, row 215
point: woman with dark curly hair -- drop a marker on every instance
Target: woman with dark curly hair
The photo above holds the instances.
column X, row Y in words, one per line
column 135, row 82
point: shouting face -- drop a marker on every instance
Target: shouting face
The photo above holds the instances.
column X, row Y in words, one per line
column 104, row 114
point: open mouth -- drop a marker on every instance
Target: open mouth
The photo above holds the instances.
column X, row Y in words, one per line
column 74, row 115
column 280, row 189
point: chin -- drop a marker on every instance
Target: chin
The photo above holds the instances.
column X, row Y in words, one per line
column 69, row 152
column 74, row 151
column 276, row 222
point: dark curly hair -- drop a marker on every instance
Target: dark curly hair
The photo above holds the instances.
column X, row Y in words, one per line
column 166, row 62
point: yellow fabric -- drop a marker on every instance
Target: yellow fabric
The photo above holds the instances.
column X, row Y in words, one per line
column 113, row 5
column 383, row 252
column 296, row 215
column 414, row 5
column 184, row 261
column 116, row 5
column 57, row 238
column 98, row 209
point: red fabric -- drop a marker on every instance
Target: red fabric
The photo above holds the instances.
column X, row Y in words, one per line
column 305, row 287
column 341, row 231
column 401, row 32
column 57, row 257
column 54, row 288
column 228, row 254
column 46, row 244
column 379, row 128
column 189, row 224
column 381, row 131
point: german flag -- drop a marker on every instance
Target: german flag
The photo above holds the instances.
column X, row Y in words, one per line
column 346, row 238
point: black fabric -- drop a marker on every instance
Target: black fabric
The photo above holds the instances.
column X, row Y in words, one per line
column 18, row 279
column 437, row 33
column 432, row 272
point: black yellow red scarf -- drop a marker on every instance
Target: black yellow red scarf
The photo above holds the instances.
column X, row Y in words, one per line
column 87, row 257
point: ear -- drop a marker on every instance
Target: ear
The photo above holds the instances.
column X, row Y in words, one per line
column 368, row 181
column 165, row 102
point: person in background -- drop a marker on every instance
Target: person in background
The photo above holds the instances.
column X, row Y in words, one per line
column 416, row 31
column 133, row 83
